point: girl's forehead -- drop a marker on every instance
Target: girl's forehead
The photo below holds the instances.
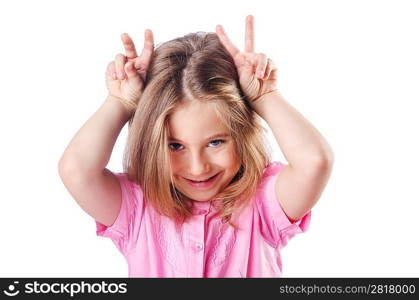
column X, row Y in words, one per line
column 195, row 116
column 195, row 110
column 194, row 104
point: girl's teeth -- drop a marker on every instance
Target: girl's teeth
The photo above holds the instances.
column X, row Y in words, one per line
column 202, row 180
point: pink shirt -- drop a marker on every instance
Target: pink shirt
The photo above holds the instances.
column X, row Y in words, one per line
column 204, row 246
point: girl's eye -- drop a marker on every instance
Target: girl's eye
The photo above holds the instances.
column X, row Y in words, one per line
column 214, row 141
column 221, row 141
column 172, row 148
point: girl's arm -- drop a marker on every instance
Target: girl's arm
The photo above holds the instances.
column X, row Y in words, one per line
column 82, row 166
column 90, row 149
column 301, row 182
column 302, row 144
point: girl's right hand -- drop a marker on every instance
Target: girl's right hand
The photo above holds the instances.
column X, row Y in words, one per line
column 125, row 76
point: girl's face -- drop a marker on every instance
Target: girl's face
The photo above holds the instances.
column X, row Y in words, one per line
column 200, row 147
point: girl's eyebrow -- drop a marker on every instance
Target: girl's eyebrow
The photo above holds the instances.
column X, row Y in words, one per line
column 218, row 135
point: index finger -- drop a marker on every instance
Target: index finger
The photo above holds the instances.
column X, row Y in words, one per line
column 250, row 36
column 147, row 52
column 129, row 46
column 233, row 50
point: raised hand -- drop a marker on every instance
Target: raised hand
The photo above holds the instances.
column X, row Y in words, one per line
column 257, row 73
column 125, row 76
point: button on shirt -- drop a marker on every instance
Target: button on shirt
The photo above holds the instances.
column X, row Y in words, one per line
column 204, row 246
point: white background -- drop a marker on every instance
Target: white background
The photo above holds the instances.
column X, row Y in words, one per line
column 350, row 67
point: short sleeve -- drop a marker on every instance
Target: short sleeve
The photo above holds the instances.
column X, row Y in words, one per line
column 124, row 228
column 275, row 226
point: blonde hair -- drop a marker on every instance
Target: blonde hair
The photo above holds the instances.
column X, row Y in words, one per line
column 195, row 67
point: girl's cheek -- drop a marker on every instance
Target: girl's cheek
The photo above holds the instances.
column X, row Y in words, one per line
column 232, row 153
column 174, row 162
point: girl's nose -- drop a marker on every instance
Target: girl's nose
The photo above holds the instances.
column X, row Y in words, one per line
column 198, row 166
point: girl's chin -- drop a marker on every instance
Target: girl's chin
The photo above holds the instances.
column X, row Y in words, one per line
column 198, row 196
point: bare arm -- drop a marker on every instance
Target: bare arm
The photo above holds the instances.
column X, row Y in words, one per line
column 310, row 157
column 90, row 149
column 82, row 167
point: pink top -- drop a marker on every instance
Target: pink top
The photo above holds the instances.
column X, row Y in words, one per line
column 204, row 246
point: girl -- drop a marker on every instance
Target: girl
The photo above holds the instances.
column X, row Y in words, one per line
column 199, row 196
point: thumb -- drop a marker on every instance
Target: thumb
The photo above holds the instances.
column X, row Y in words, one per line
column 130, row 70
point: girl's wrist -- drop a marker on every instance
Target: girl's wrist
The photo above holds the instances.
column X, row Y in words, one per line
column 125, row 108
column 272, row 93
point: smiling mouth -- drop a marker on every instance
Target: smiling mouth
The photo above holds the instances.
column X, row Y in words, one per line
column 208, row 179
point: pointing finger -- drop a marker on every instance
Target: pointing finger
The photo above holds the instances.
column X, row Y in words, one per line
column 250, row 36
column 233, row 50
column 129, row 46
column 147, row 52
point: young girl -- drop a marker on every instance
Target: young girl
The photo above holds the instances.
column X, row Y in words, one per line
column 199, row 196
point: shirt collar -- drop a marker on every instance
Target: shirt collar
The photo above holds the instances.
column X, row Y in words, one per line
column 204, row 207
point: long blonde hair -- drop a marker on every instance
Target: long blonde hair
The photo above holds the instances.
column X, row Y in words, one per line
column 196, row 67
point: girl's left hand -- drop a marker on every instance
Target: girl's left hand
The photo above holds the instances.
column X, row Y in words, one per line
column 257, row 73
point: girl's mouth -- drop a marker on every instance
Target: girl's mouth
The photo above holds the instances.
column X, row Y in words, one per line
column 203, row 184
